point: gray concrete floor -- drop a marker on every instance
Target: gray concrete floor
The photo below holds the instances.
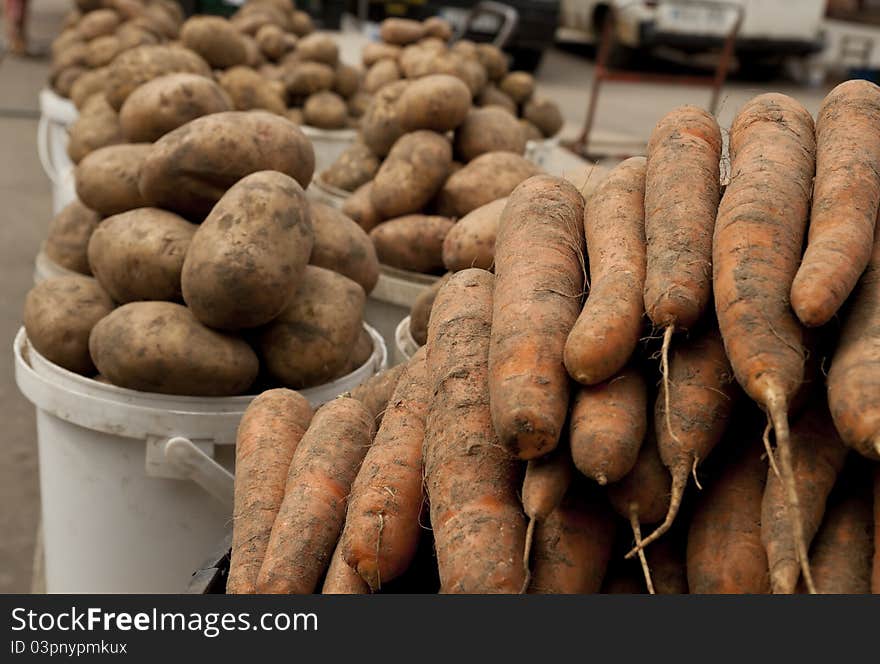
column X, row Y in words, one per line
column 625, row 113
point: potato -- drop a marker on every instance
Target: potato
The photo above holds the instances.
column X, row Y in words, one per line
column 494, row 60
column 295, row 115
column 318, row 47
column 437, row 27
column 96, row 127
column 135, row 67
column 64, row 41
column 474, row 75
column 63, row 81
column 131, row 35
column 530, row 131
column 401, row 31
column 215, row 39
column 411, row 174
column 168, row 102
column 413, row 242
column 381, row 74
column 59, row 314
column 355, row 166
column 309, row 343
column 252, row 17
column 358, row 104
column 67, row 242
column 375, row 51
column 101, row 51
column 107, row 178
column 247, row 258
column 306, row 78
column 71, row 18
column 301, row 24
column 420, row 313
column 519, row 85
column 348, row 80
column 190, row 168
column 471, row 242
column 360, row 354
column 544, row 114
column 489, row 129
column 439, row 102
column 159, row 23
column 466, row 48
column 98, row 23
column 250, row 91
column 74, row 55
column 325, row 110
column 91, row 82
column 273, row 42
column 138, row 255
column 380, row 126
column 493, row 96
column 359, row 207
column 343, row 246
column 161, row 347
column 488, row 177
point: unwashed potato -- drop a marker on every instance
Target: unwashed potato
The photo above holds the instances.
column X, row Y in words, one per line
column 401, row 31
column 254, row 57
column 301, row 24
column 131, row 35
column 466, row 48
column 544, row 114
column 74, row 55
column 250, row 91
column 413, row 242
column 215, row 39
column 348, row 80
column 360, row 354
column 493, row 96
column 107, row 178
column 343, row 246
column 59, row 314
column 246, row 260
column 488, row 129
column 318, row 47
column 190, row 168
column 439, row 102
column 302, row 79
column 168, row 102
column 474, row 74
column 295, row 115
column 354, row 167
column 494, row 61
column 309, row 343
column 420, row 313
column 519, row 85
column 325, row 110
column 380, row 74
column 471, row 242
column 375, row 51
column 102, row 50
column 161, row 347
column 63, row 81
column 488, row 177
column 359, row 207
column 412, row 174
column 437, row 27
column 138, row 255
column 380, row 126
column 133, row 68
column 67, row 38
column 96, row 127
column 358, row 104
column 67, row 242
column 530, row 131
column 89, row 83
column 273, row 42
column 97, row 24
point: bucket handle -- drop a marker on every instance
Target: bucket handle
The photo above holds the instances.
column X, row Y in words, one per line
column 191, row 462
column 43, row 150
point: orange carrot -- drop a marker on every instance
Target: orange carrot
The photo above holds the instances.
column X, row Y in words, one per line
column 846, row 196
column 539, row 281
column 311, row 516
column 268, row 434
column 341, row 579
column 471, row 481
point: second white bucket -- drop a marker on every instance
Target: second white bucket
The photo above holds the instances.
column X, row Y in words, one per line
column 56, row 115
column 404, row 344
column 328, row 144
column 393, row 298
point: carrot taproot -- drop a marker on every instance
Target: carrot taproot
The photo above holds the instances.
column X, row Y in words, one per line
column 341, row 579
column 854, row 376
column 846, row 196
column 817, row 456
column 311, row 516
column 756, row 251
column 268, row 435
column 375, row 392
column 539, row 268
column 471, row 480
column 382, row 529
column 875, row 567
column 607, row 426
column 607, row 330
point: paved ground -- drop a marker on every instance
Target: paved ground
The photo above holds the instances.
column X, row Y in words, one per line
column 625, row 113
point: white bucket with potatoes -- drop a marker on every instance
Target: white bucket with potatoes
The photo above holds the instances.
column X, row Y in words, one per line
column 404, row 344
column 56, row 116
column 328, row 144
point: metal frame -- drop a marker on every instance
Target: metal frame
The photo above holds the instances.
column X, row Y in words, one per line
column 508, row 16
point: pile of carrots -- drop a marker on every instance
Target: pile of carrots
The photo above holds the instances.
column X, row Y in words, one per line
column 673, row 331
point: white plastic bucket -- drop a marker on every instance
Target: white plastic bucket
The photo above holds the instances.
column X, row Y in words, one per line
column 539, row 152
column 46, row 268
column 135, row 486
column 328, row 144
column 332, row 196
column 56, row 115
column 404, row 344
column 392, row 299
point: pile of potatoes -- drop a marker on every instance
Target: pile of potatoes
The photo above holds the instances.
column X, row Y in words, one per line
column 203, row 269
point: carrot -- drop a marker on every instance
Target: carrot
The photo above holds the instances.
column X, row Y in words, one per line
column 691, row 413
column 608, row 328
column 875, row 569
column 607, row 426
column 382, row 530
column 572, row 546
column 268, row 434
column 854, row 377
column 846, row 196
column 668, row 568
column 724, row 552
column 539, row 268
column 817, row 455
column 471, row 481
column 311, row 516
column 341, row 579
column 756, row 252
column 375, row 392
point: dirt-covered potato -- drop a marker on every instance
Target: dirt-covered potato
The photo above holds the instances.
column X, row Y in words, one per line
column 354, row 167
column 250, row 91
column 375, row 51
column 494, row 60
column 159, row 23
column 380, row 125
column 90, row 83
column 97, row 24
column 420, row 313
column 168, row 102
column 348, row 80
column 471, row 242
column 488, row 177
column 215, row 39
column 74, row 55
column 466, row 48
column 295, row 115
column 360, row 354
column 530, row 131
column 343, row 246
column 493, row 96
column 359, row 207
column 107, row 178
column 411, row 174
column 401, row 31
column 190, row 168
column 247, row 258
column 59, row 314
column 254, row 58
column 67, row 242
column 96, row 127
column 519, row 85
column 325, row 110
column 413, row 242
column 358, row 104
column 474, row 75
column 306, row 78
column 135, row 67
column 63, row 81
column 381, row 74
column 439, row 102
column 437, row 27
column 63, row 41
column 161, row 347
column 251, row 17
column 273, row 42
column 318, row 47
column 132, row 35
column 301, row 24
column 544, row 114
column 102, row 50
column 138, row 255
column 488, row 129
column 309, row 343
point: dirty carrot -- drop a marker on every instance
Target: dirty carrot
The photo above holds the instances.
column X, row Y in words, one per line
column 375, row 392
column 341, row 579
